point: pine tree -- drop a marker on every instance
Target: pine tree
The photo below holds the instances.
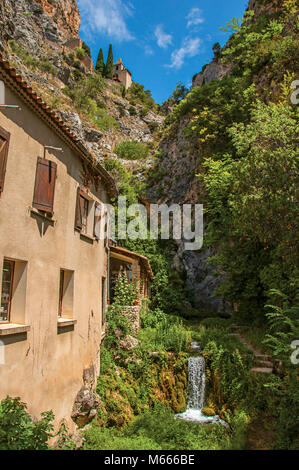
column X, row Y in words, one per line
column 100, row 63
column 109, row 64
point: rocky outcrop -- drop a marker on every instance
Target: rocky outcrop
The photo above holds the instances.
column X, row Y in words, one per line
column 213, row 71
column 128, row 343
column 85, row 406
column 87, row 401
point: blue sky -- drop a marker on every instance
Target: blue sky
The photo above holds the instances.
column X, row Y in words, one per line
column 162, row 42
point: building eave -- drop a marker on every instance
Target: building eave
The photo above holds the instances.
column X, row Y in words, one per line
column 131, row 254
column 18, row 85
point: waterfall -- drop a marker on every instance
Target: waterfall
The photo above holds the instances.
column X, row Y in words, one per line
column 196, row 383
column 196, row 392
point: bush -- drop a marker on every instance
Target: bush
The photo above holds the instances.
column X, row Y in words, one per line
column 132, row 111
column 152, row 318
column 172, row 336
column 131, row 150
column 80, row 53
column 17, row 429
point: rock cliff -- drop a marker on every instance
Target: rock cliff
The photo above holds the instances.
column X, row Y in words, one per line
column 35, row 36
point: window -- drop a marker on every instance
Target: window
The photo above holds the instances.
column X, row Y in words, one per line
column 66, row 293
column 103, row 301
column 6, row 293
column 4, row 143
column 13, row 291
column 45, row 179
column 84, row 204
column 82, row 212
column 88, row 215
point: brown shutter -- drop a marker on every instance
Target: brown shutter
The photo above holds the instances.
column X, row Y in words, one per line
column 45, row 180
column 79, row 210
column 4, row 143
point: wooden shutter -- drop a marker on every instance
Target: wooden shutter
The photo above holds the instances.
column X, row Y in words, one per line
column 79, row 210
column 97, row 220
column 45, row 180
column 4, row 143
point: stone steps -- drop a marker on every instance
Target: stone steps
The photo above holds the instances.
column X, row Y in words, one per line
column 263, row 364
column 262, row 370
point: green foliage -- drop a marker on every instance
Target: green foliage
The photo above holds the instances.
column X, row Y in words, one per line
column 80, row 53
column 108, row 71
column 284, row 330
column 131, row 150
column 18, row 431
column 172, row 336
column 151, row 318
column 125, row 292
column 100, row 63
column 132, row 111
column 137, row 94
column 86, row 49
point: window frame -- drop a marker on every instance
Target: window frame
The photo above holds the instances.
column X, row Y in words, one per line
column 6, row 137
column 2, row 322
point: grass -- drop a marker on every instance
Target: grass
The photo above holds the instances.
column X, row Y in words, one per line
column 156, row 429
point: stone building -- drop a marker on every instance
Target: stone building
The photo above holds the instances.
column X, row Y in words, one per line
column 71, row 45
column 122, row 74
column 138, row 270
column 54, row 266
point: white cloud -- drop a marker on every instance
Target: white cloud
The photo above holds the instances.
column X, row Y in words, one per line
column 190, row 48
column 163, row 39
column 106, row 17
column 194, row 17
column 148, row 50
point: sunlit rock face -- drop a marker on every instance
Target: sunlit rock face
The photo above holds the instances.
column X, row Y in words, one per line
column 65, row 13
column 34, row 23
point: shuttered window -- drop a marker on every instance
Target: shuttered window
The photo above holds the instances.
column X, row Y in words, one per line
column 82, row 209
column 4, row 143
column 44, row 190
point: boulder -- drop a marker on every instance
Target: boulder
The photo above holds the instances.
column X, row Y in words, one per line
column 128, row 343
column 85, row 406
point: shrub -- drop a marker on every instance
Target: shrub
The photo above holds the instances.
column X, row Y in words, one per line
column 131, row 150
column 80, row 53
column 17, row 429
column 152, row 318
column 172, row 335
column 132, row 111
column 208, row 411
column 125, row 292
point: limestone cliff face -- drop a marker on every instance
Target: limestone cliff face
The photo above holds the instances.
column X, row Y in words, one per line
column 65, row 13
column 35, row 23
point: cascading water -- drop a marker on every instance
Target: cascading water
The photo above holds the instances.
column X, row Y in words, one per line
column 196, row 392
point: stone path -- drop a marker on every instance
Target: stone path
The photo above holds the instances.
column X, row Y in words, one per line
column 263, row 362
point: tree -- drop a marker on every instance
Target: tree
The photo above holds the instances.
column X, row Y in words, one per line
column 217, row 50
column 100, row 62
column 109, row 64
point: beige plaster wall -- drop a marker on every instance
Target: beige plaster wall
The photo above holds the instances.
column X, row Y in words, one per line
column 42, row 367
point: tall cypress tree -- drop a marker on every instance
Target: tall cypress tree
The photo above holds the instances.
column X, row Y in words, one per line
column 100, row 63
column 109, row 64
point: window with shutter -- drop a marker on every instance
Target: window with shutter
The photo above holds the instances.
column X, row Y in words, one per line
column 4, row 143
column 45, row 181
column 82, row 210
